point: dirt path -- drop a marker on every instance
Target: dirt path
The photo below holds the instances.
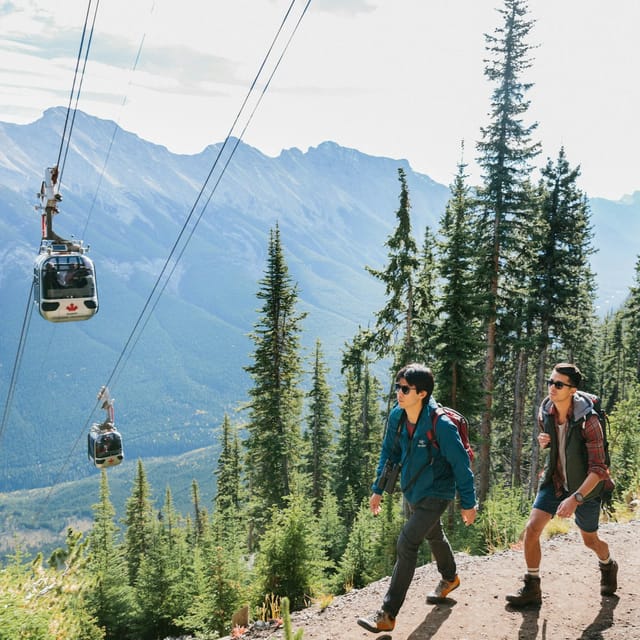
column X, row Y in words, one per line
column 572, row 607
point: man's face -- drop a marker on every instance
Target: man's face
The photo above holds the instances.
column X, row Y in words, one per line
column 408, row 396
column 560, row 387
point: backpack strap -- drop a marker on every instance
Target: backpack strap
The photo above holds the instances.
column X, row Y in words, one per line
column 431, row 434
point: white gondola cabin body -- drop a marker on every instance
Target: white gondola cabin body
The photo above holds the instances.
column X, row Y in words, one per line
column 64, row 278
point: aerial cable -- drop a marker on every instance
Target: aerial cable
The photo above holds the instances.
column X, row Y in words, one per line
column 17, row 362
column 156, row 288
column 226, row 164
column 114, row 133
column 66, row 138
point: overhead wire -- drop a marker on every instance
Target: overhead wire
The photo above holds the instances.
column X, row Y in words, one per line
column 157, row 290
column 26, row 321
column 65, row 141
column 114, row 133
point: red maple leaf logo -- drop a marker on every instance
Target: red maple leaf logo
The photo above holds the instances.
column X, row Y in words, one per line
column 72, row 307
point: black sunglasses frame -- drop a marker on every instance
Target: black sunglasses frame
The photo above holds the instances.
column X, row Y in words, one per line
column 405, row 388
column 558, row 384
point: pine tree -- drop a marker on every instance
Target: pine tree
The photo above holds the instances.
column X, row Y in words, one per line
column 359, row 434
column 319, row 433
column 426, row 318
column 200, row 515
column 139, row 522
column 506, row 152
column 228, row 471
column 274, row 440
column 290, row 561
column 632, row 316
column 458, row 335
column 110, row 600
column 394, row 329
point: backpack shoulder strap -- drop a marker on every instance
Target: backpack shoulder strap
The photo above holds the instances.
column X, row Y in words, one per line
column 431, row 434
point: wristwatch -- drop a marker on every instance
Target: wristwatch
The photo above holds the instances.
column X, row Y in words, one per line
column 579, row 497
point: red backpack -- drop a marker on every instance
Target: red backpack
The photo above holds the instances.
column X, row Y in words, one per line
column 461, row 423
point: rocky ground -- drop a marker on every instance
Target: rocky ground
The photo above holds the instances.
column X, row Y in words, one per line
column 572, row 607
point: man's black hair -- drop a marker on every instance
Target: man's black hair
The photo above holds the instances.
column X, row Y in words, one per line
column 418, row 376
column 571, row 371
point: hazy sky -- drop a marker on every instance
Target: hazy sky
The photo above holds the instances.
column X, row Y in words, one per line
column 395, row 78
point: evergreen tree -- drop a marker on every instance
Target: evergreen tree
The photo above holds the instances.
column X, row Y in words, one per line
column 319, row 433
column 458, row 335
column 426, row 320
column 359, row 436
column 358, row 564
column 273, row 443
column 139, row 522
column 334, row 531
column 632, row 316
column 290, row 561
column 394, row 329
column 228, row 471
column 110, row 599
column 506, row 152
column 200, row 515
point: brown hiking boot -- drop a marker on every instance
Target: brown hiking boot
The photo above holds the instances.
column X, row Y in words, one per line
column 608, row 578
column 528, row 594
column 379, row 621
column 444, row 588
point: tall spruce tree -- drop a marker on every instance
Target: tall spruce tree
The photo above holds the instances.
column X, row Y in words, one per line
column 275, row 406
column 426, row 319
column 319, row 435
column 393, row 333
column 110, row 599
column 506, row 152
column 360, row 430
column 229, row 469
column 139, row 522
column 458, row 336
column 632, row 315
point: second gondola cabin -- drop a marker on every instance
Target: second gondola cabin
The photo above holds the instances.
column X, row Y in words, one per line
column 105, row 445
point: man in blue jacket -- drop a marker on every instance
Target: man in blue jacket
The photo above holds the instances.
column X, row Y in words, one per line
column 429, row 478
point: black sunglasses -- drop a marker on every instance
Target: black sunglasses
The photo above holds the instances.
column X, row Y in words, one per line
column 405, row 388
column 559, row 384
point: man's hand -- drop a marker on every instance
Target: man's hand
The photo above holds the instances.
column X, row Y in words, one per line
column 374, row 503
column 469, row 515
column 567, row 507
column 544, row 439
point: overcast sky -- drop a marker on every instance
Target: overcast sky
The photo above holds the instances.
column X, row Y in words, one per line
column 394, row 78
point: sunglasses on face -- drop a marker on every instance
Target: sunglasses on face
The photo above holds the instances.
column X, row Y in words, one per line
column 558, row 384
column 405, row 388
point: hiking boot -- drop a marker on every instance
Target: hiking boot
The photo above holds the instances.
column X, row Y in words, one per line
column 444, row 588
column 379, row 621
column 530, row 593
column 608, row 578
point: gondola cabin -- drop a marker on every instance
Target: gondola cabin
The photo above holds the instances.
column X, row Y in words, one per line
column 65, row 285
column 105, row 445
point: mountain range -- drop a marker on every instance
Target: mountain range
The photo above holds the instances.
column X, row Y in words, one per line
column 177, row 373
